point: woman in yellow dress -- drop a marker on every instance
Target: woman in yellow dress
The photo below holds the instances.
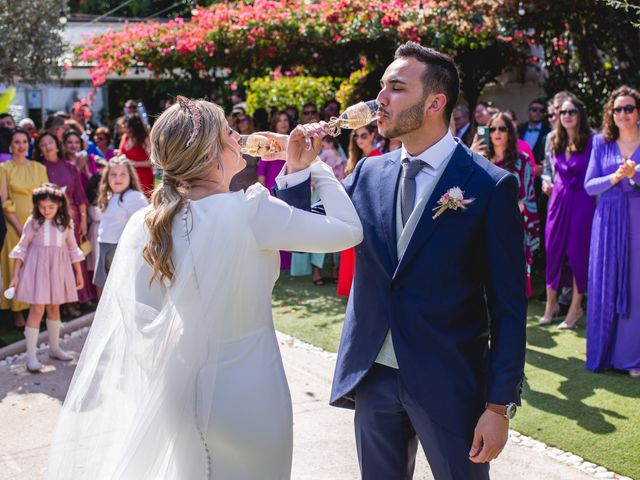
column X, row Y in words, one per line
column 18, row 177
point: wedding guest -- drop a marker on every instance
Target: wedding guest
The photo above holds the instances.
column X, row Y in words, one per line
column 360, row 147
column 570, row 213
column 503, row 151
column 522, row 145
column 130, row 108
column 535, row 131
column 30, row 126
column 310, row 113
column 88, row 145
column 18, row 178
column 135, row 146
column 547, row 178
column 462, row 123
column 55, row 124
column 5, row 140
column 269, row 170
column 119, row 198
column 103, row 141
column 7, row 121
column 613, row 304
column 243, row 124
column 47, row 272
column 75, row 154
column 63, row 172
column 481, row 116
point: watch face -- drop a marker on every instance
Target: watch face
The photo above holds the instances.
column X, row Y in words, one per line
column 511, row 411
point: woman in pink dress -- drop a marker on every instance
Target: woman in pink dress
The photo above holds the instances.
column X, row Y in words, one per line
column 47, row 268
column 269, row 170
column 361, row 145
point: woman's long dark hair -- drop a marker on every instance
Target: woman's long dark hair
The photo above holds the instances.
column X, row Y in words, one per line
column 355, row 152
column 560, row 141
column 138, row 129
column 511, row 152
column 52, row 192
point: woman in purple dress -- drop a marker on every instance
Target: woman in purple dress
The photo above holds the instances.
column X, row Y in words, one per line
column 49, row 152
column 613, row 306
column 269, row 170
column 570, row 213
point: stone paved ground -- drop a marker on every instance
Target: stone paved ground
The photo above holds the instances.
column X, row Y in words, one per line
column 323, row 436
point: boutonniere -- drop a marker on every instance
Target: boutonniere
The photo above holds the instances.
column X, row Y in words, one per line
column 453, row 199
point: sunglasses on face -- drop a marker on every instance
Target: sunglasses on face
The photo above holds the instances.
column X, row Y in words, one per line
column 500, row 129
column 536, row 109
column 571, row 113
column 362, row 136
column 625, row 109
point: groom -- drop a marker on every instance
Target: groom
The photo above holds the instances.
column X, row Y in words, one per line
column 433, row 342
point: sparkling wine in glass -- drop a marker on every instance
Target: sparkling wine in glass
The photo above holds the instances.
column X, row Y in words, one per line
column 354, row 117
column 258, row 145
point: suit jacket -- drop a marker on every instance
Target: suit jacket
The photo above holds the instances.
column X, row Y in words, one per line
column 538, row 148
column 460, row 282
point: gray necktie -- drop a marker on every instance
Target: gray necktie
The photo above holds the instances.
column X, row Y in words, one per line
column 410, row 169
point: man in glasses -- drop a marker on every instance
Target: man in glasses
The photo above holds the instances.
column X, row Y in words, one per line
column 310, row 113
column 535, row 131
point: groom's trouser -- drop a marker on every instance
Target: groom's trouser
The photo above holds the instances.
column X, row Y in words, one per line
column 388, row 425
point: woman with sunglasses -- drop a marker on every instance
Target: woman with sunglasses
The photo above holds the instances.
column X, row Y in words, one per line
column 361, row 145
column 570, row 213
column 613, row 305
column 503, row 151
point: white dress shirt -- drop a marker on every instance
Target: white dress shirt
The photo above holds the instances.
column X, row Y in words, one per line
column 436, row 159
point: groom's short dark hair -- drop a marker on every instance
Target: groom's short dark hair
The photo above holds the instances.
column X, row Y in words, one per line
column 440, row 76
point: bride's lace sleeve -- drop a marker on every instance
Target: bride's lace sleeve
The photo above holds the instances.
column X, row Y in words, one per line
column 279, row 226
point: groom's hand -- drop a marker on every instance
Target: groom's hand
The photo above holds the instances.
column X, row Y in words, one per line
column 489, row 437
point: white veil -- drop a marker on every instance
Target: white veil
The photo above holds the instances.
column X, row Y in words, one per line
column 139, row 403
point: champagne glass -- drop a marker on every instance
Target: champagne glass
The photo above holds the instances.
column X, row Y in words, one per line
column 258, row 145
column 354, row 117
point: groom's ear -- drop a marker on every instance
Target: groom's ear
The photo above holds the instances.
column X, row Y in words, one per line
column 435, row 104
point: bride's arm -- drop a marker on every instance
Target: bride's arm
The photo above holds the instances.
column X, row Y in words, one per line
column 279, row 226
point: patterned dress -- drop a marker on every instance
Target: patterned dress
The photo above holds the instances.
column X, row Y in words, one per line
column 530, row 219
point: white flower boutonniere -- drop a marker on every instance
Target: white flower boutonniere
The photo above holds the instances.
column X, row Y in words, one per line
column 452, row 200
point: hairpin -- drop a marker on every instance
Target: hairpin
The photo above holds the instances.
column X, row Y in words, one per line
column 194, row 113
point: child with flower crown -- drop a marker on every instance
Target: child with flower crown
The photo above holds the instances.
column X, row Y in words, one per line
column 47, row 269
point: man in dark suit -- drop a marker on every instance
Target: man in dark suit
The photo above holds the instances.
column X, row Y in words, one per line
column 432, row 286
column 535, row 131
column 462, row 123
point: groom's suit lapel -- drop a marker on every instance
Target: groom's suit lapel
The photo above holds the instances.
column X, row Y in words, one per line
column 388, row 190
column 456, row 174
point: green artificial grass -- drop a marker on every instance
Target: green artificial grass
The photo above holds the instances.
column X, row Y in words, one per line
column 595, row 416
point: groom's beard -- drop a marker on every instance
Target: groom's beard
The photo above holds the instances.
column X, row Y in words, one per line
column 408, row 120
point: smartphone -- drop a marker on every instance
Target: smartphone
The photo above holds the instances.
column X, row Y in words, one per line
column 483, row 132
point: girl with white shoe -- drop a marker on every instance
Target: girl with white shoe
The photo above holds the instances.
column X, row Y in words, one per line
column 47, row 269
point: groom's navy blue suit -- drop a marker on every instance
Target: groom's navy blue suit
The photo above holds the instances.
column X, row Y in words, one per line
column 459, row 285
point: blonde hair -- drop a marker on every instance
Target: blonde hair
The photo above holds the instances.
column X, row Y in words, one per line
column 180, row 165
column 105, row 192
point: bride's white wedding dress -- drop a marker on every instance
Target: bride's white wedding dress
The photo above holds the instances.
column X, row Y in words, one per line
column 184, row 380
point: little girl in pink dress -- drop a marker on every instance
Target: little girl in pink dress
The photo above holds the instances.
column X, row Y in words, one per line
column 47, row 269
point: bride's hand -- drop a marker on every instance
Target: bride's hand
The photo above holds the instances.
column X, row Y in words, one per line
column 298, row 157
column 281, row 140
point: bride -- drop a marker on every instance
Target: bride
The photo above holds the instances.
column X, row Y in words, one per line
column 181, row 376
